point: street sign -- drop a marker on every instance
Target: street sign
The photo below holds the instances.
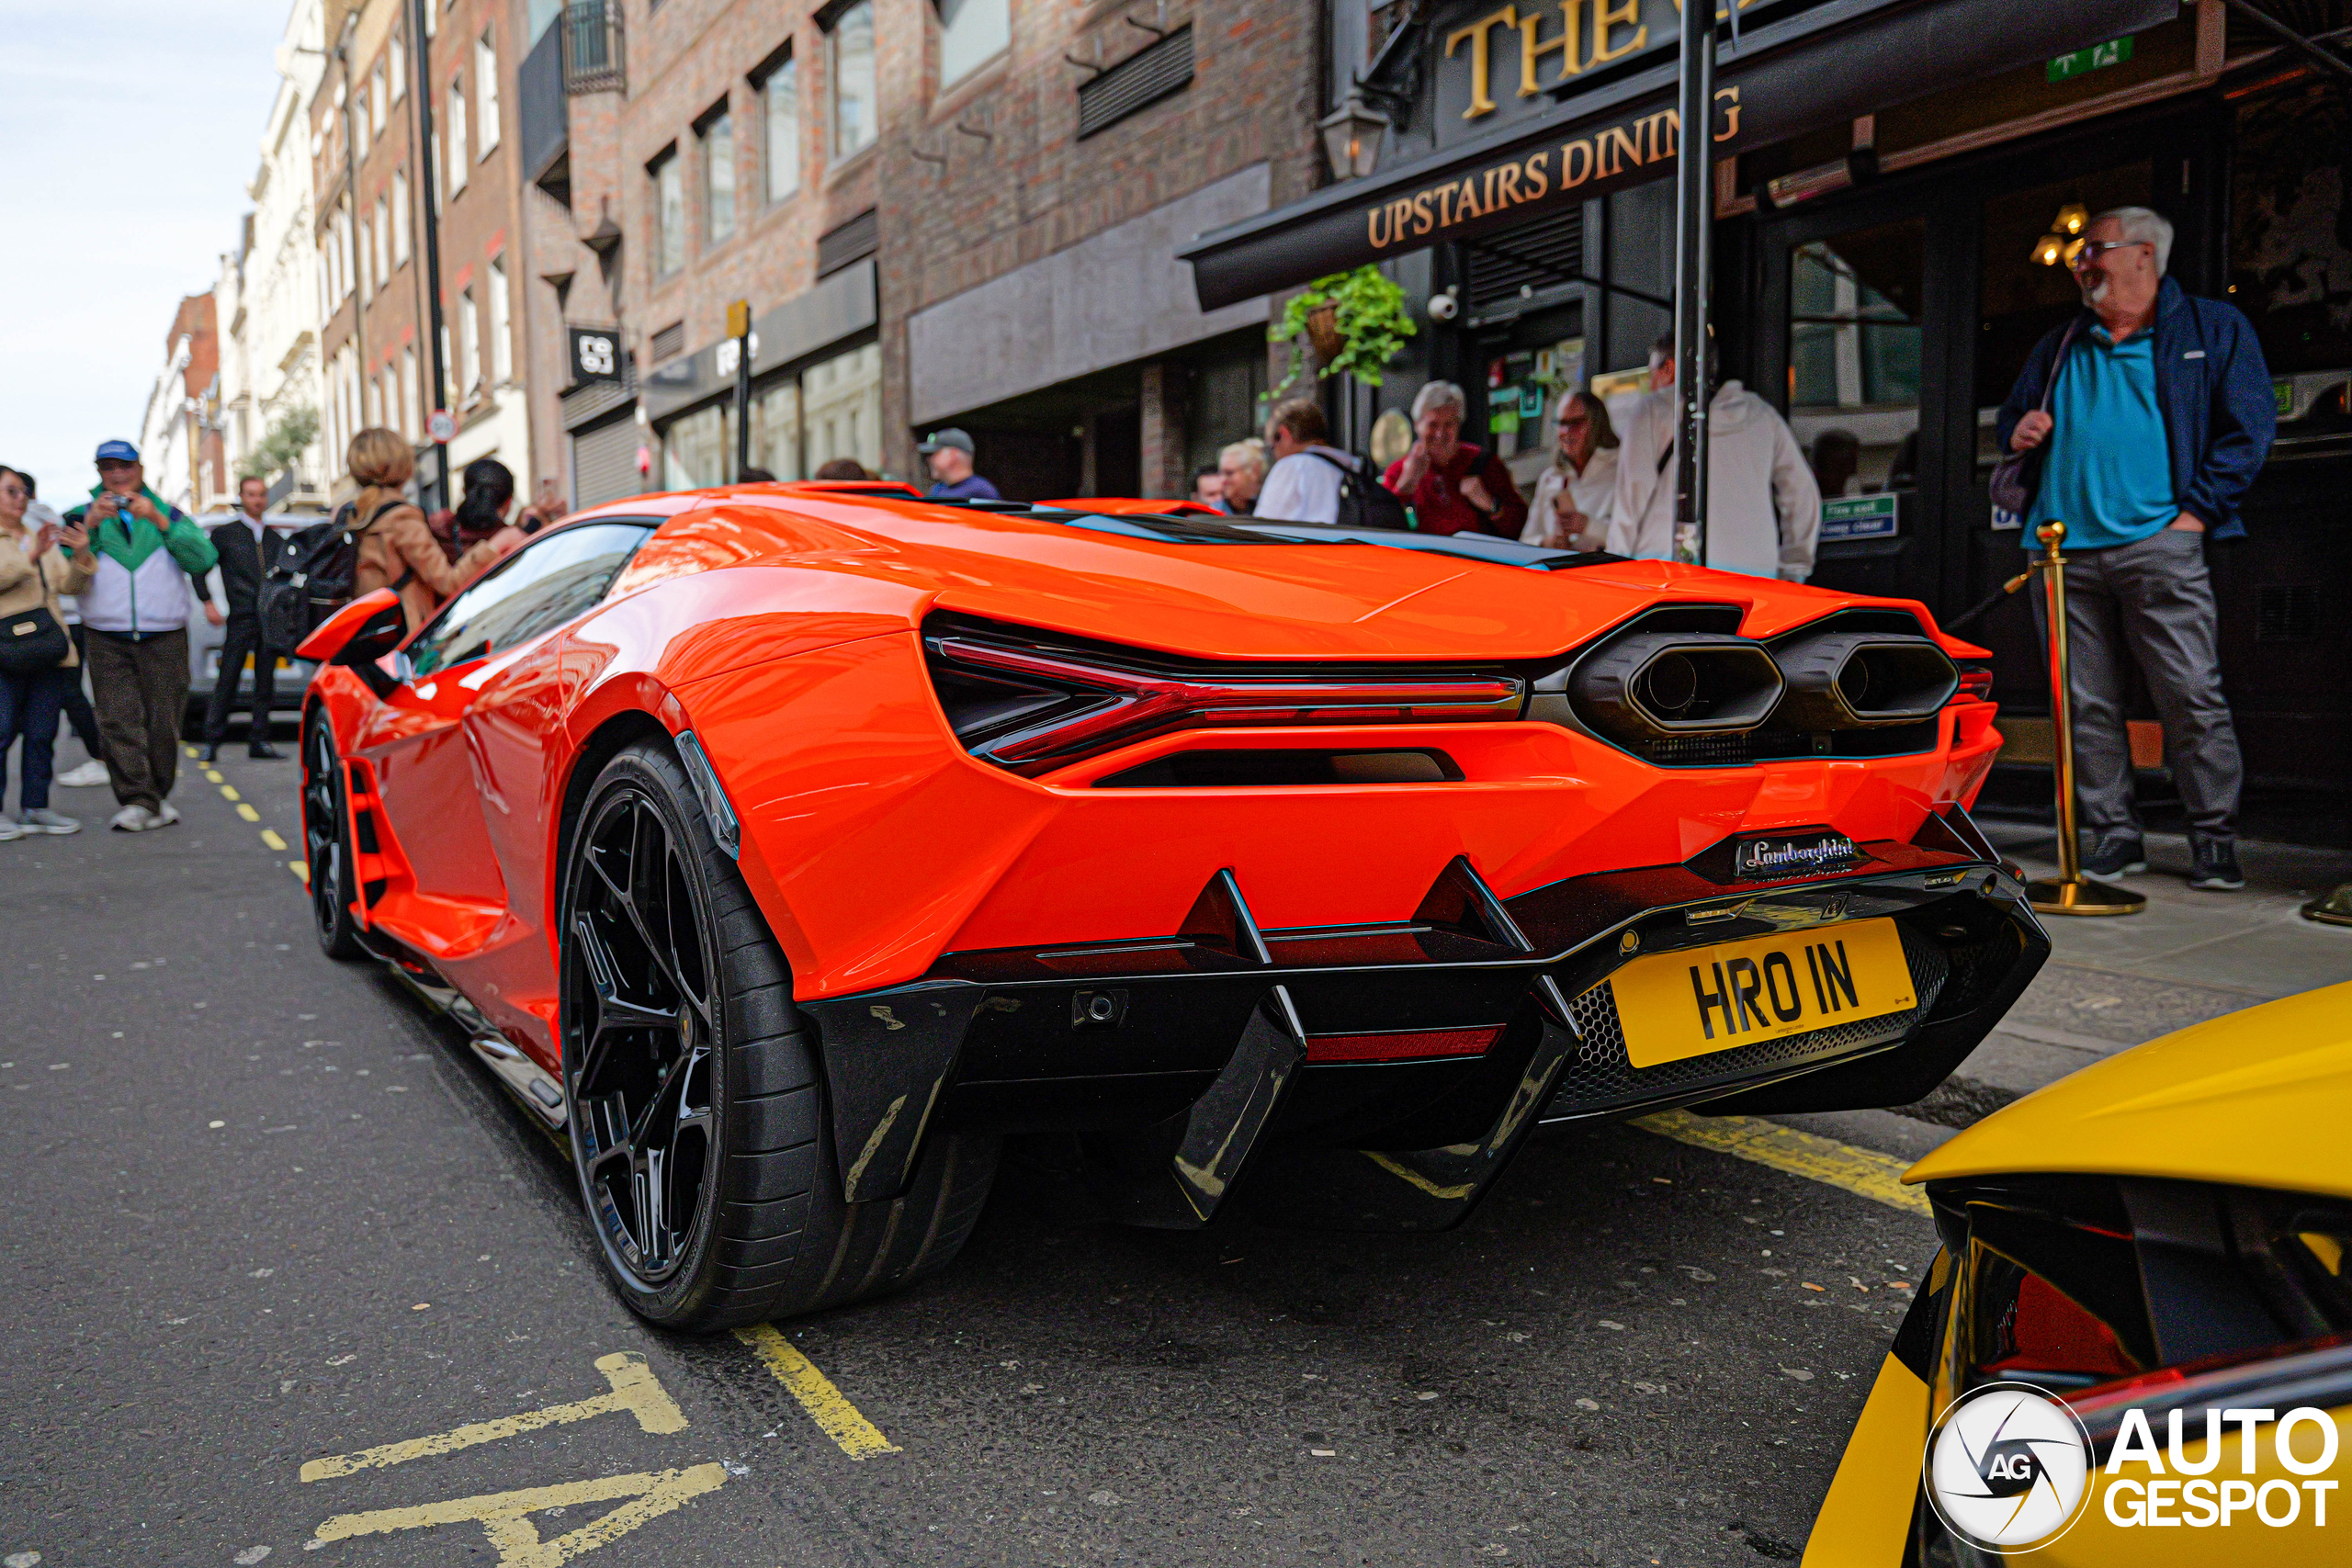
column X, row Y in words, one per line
column 2099, row 56
column 439, row 425
column 596, row 354
column 1858, row 517
column 739, row 319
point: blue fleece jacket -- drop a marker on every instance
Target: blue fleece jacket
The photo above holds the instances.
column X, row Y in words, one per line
column 2214, row 390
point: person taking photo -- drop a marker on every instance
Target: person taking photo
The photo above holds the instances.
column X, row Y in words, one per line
column 36, row 659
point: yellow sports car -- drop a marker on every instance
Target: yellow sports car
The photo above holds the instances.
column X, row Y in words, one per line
column 2135, row 1347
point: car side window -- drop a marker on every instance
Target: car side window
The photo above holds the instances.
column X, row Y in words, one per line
column 545, row 583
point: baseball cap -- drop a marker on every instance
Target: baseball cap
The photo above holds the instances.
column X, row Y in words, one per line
column 951, row 436
column 117, row 452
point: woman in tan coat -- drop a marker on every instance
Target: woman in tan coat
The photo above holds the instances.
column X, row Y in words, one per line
column 397, row 550
column 33, row 573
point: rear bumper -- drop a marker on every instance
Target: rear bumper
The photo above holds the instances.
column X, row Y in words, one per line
column 1199, row 1049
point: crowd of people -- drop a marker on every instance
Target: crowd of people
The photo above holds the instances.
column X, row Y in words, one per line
column 2144, row 420
column 106, row 591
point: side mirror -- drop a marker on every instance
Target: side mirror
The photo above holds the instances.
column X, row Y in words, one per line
column 358, row 634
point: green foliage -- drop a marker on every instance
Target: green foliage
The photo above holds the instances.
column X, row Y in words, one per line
column 289, row 435
column 1369, row 314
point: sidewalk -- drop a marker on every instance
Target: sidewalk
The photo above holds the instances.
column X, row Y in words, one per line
column 2115, row 981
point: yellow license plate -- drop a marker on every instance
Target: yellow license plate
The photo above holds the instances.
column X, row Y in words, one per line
column 1675, row 1005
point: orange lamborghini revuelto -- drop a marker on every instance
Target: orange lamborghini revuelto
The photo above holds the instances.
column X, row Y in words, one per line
column 791, row 847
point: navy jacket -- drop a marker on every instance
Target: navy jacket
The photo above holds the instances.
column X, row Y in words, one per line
column 2214, row 389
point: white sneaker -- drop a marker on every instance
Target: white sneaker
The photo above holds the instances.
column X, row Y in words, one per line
column 166, row 815
column 8, row 828
column 87, row 776
column 133, row 819
column 42, row 819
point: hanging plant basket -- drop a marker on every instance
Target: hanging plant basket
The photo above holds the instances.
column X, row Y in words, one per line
column 1323, row 334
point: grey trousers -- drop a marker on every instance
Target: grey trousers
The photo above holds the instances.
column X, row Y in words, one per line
column 141, row 691
column 2150, row 601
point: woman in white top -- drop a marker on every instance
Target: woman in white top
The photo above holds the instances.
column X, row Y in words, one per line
column 1575, row 497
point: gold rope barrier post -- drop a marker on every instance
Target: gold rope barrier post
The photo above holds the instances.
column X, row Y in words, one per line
column 2069, row 893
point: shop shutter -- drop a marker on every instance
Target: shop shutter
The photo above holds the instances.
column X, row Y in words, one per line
column 1539, row 255
column 604, row 461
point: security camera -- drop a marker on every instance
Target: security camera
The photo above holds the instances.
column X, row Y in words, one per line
column 1444, row 307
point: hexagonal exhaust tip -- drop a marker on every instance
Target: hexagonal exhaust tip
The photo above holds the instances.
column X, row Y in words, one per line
column 1655, row 684
column 1863, row 680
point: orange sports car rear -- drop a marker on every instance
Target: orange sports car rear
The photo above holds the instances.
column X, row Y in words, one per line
column 792, row 846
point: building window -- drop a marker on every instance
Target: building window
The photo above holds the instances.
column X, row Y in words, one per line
column 400, row 219
column 376, row 98
column 448, row 366
column 409, row 422
column 780, row 112
column 971, row 32
column 717, row 131
column 468, row 346
column 669, row 213
column 698, row 448
column 344, row 282
column 502, row 353
column 359, row 129
column 400, row 69
column 485, row 92
column 384, row 239
column 457, row 134
column 850, row 85
column 841, row 401
column 366, row 251
column 775, row 428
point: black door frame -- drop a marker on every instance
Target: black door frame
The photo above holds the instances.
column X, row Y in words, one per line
column 2185, row 139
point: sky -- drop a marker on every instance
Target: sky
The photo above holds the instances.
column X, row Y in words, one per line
column 129, row 130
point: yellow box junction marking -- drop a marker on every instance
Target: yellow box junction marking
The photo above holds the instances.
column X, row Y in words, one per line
column 1864, row 1172
column 504, row 1515
column 635, row 1390
column 840, row 1420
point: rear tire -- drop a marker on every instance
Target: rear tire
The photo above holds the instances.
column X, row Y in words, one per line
column 326, row 843
column 698, row 1125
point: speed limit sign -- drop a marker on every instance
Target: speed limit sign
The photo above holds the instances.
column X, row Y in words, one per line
column 439, row 425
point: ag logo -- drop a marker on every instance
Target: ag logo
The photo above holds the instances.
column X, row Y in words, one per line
column 2008, row 1467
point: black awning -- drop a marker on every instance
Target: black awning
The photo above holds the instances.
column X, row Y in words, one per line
column 1830, row 64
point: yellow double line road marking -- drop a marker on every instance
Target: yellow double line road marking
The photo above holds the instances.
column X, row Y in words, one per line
column 1864, row 1172
column 269, row 836
column 840, row 1420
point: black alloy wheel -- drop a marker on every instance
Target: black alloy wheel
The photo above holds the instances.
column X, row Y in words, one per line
column 327, row 842
column 638, row 1003
column 697, row 1114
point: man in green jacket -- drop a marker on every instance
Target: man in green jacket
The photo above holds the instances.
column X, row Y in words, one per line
column 134, row 614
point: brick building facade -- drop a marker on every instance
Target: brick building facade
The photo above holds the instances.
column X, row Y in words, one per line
column 369, row 158
column 968, row 220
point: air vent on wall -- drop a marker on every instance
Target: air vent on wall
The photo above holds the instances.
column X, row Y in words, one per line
column 1140, row 80
column 1538, row 256
column 2286, row 613
column 669, row 343
column 851, row 241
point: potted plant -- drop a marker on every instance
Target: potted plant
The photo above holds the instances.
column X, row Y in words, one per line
column 1355, row 323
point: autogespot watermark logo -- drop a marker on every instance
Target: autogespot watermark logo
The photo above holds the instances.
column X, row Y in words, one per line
column 2008, row 1467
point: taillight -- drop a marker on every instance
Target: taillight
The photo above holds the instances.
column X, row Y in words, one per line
column 1031, row 703
column 1412, row 1045
column 1976, row 684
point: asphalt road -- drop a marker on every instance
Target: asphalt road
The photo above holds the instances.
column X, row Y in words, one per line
column 261, row 1211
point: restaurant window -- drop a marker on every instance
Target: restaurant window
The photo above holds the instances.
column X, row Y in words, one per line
column 1854, row 343
column 971, row 33
column 698, row 448
column 780, row 113
column 850, row 87
column 669, row 212
column 775, row 428
column 2291, row 268
column 841, row 408
column 716, row 132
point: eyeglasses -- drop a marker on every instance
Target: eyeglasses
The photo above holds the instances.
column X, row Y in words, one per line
column 2094, row 249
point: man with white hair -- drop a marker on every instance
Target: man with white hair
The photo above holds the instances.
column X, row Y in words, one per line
column 1453, row 486
column 2153, row 423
